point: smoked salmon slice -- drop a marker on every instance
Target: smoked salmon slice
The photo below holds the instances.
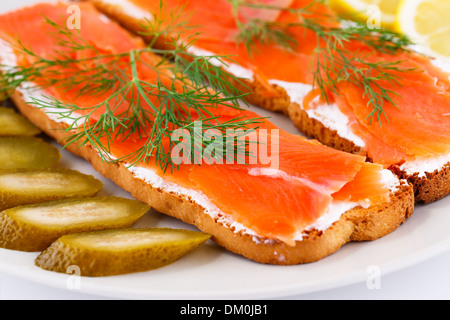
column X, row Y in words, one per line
column 416, row 126
column 275, row 202
column 276, row 207
column 365, row 185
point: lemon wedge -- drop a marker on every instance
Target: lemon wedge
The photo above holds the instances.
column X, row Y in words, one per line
column 377, row 13
column 427, row 23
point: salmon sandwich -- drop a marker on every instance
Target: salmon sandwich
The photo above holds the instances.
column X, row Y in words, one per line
column 350, row 86
column 168, row 128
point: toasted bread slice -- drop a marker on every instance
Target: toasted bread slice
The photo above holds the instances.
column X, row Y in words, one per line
column 428, row 187
column 358, row 224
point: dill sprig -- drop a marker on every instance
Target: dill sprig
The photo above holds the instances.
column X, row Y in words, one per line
column 187, row 89
column 255, row 30
column 168, row 26
column 333, row 62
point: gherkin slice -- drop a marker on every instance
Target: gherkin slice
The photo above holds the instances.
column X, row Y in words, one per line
column 114, row 252
column 35, row 227
column 14, row 124
column 30, row 186
column 27, row 152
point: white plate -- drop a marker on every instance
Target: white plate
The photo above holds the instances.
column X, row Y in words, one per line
column 212, row 273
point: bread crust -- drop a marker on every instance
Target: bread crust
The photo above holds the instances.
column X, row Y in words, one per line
column 356, row 225
column 274, row 98
column 432, row 187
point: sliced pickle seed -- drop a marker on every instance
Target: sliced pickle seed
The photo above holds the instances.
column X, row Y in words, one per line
column 27, row 153
column 114, row 252
column 14, row 124
column 29, row 186
column 34, row 228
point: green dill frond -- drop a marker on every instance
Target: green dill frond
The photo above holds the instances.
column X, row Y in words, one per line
column 334, row 62
column 187, row 87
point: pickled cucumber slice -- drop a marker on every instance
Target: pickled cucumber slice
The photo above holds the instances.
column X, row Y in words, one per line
column 27, row 152
column 114, row 252
column 35, row 227
column 30, row 186
column 14, row 124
